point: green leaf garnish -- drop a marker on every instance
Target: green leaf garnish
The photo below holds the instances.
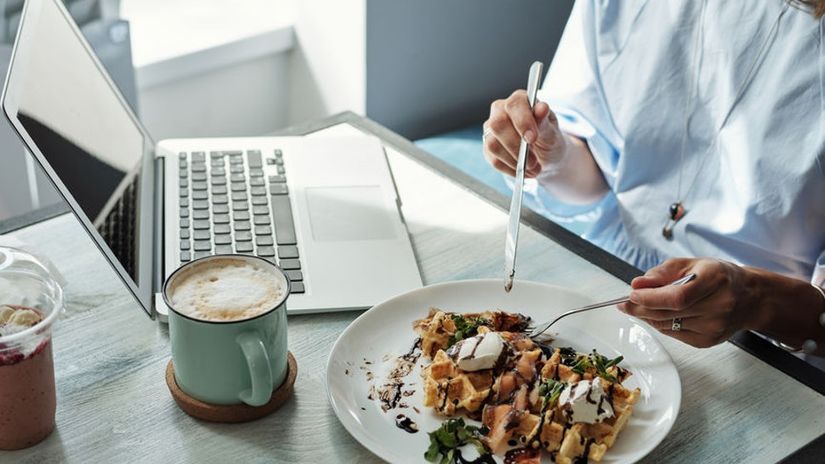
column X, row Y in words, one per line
column 465, row 328
column 452, row 435
column 550, row 390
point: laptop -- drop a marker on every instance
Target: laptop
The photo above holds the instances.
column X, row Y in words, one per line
column 324, row 209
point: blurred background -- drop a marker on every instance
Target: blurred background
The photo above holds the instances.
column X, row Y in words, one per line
column 427, row 69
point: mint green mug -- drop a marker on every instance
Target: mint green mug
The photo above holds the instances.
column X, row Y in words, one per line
column 224, row 353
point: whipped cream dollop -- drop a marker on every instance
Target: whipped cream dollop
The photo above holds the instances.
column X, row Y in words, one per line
column 586, row 401
column 477, row 353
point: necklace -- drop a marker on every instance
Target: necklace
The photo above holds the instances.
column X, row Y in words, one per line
column 676, row 210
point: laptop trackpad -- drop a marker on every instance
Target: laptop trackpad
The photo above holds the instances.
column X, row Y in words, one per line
column 349, row 213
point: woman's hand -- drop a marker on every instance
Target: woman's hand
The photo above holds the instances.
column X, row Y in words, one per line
column 712, row 307
column 510, row 121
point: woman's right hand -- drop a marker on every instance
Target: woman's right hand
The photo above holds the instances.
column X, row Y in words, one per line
column 511, row 120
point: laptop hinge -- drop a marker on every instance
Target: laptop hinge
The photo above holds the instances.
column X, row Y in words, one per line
column 157, row 258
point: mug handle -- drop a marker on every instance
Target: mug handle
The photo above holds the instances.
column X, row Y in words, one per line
column 260, row 370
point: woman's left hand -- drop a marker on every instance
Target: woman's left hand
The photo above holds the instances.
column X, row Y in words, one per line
column 712, row 307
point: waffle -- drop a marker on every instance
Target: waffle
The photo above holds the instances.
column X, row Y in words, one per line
column 508, row 396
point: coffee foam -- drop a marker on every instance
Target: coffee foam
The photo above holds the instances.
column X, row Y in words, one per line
column 226, row 289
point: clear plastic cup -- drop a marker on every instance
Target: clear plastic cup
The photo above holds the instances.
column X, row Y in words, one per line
column 27, row 390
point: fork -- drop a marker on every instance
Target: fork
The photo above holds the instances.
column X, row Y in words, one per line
column 543, row 327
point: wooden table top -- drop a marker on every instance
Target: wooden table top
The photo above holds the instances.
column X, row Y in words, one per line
column 113, row 404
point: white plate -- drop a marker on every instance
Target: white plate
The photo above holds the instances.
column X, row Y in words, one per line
column 386, row 329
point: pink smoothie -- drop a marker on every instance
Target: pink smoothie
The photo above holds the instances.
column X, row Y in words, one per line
column 27, row 396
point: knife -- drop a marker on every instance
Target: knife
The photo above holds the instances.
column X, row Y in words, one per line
column 511, row 242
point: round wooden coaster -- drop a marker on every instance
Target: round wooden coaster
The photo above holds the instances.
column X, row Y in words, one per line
column 236, row 412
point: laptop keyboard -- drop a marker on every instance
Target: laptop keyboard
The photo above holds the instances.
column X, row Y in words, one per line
column 118, row 229
column 228, row 205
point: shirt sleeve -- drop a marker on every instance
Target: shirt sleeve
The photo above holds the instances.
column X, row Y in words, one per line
column 573, row 90
column 818, row 278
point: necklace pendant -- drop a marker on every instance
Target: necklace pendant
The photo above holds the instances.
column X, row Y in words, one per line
column 676, row 212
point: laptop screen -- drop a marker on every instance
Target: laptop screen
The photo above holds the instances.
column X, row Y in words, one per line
column 80, row 126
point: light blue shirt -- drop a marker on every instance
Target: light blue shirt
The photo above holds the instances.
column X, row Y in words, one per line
column 621, row 81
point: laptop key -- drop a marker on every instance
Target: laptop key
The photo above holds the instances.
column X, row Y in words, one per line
column 183, row 173
column 184, row 233
column 202, row 235
column 223, row 249
column 263, row 230
column 281, row 170
column 294, row 276
column 238, row 187
column 256, row 181
column 254, row 158
column 237, row 177
column 289, row 264
column 270, row 161
column 235, row 160
column 287, row 252
column 201, row 254
column 200, row 195
column 183, row 202
column 297, row 287
column 279, row 179
column 203, row 245
column 282, row 218
column 263, row 240
column 223, row 240
column 182, row 155
column 198, row 167
column 183, row 183
column 215, row 154
column 221, row 229
column 257, row 191
column 200, row 214
column 240, row 215
column 220, row 219
column 200, row 225
column 185, row 256
column 199, row 185
column 198, row 176
column 220, row 199
column 243, row 236
column 232, row 152
column 260, row 209
column 239, row 196
column 183, row 192
column 279, row 161
column 184, row 245
column 219, row 181
column 259, row 201
column 200, row 204
column 239, row 205
column 219, row 190
column 266, row 251
column 217, row 172
column 220, row 209
column 184, row 212
column 278, row 189
column 184, row 223
column 241, row 247
column 261, row 220
column 256, row 172
column 236, row 169
column 242, row 225
column 198, row 156
column 278, row 153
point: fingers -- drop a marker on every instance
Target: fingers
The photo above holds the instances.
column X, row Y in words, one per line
column 524, row 121
column 710, row 277
column 689, row 324
column 691, row 338
column 660, row 314
column 662, row 274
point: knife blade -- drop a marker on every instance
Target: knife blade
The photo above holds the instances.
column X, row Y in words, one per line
column 511, row 241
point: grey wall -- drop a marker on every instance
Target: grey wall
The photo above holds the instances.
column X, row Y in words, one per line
column 435, row 65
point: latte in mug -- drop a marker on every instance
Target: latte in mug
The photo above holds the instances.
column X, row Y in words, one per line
column 226, row 289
